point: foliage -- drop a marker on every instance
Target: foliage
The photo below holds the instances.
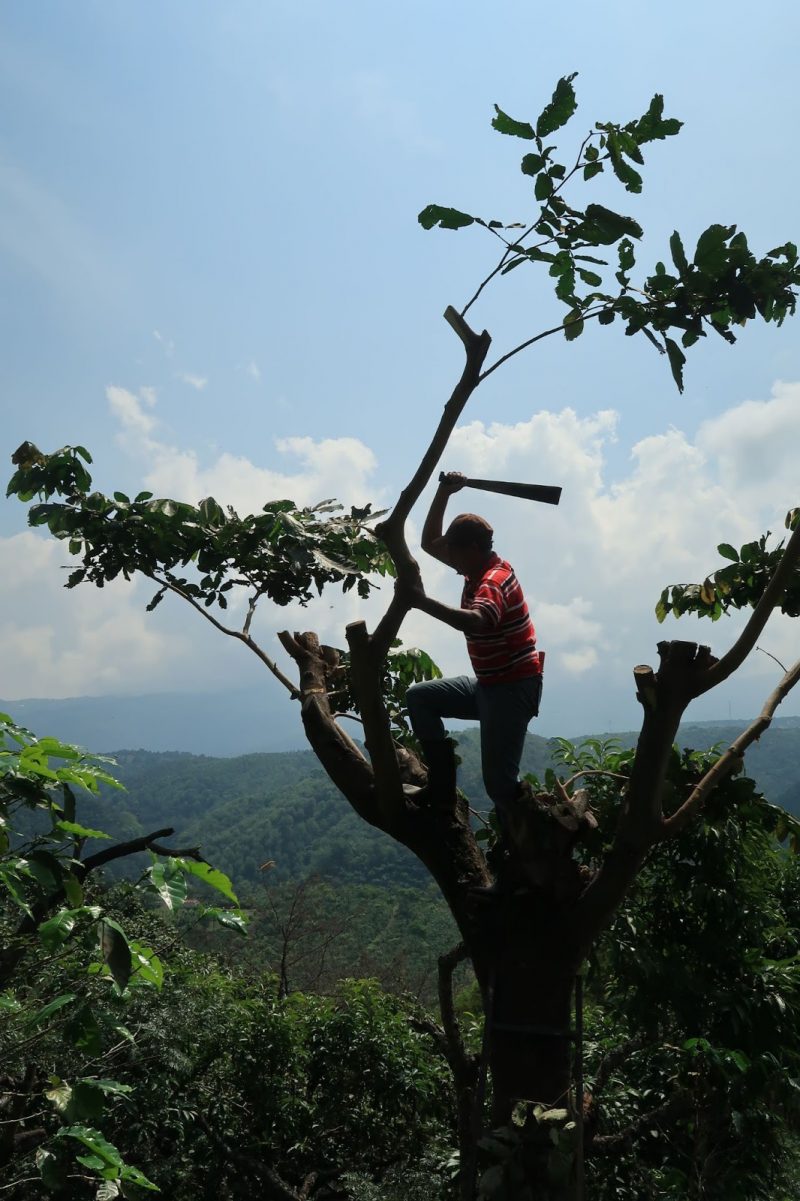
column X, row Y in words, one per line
column 225, row 1084
column 697, row 981
column 722, row 286
column 401, row 668
column 66, row 965
column 283, row 552
column 738, row 585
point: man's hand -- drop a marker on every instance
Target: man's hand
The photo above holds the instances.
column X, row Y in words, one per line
column 451, row 481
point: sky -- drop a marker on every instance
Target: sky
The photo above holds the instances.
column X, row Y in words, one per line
column 215, row 280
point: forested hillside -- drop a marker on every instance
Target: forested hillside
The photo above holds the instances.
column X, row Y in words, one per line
column 281, row 808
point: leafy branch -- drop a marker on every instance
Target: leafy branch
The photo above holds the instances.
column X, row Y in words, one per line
column 724, row 284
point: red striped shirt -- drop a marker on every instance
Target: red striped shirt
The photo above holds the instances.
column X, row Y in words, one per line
column 507, row 650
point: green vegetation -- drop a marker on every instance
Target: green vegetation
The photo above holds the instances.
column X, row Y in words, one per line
column 678, row 893
column 209, row 1064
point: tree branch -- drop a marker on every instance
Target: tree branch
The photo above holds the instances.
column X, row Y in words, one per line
column 341, row 758
column 606, row 1144
column 391, row 531
column 365, row 678
column 241, row 635
column 463, row 1066
column 538, row 338
column 121, row 849
column 731, row 759
column 257, row 1167
column 770, row 598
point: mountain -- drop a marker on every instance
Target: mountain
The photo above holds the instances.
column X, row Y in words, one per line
column 254, row 811
column 231, row 723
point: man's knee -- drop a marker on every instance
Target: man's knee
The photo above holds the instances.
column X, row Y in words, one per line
column 416, row 697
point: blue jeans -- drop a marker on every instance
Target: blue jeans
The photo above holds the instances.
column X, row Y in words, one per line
column 503, row 710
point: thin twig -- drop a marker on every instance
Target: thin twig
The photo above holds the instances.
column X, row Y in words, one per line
column 774, row 658
column 538, row 337
column 732, row 757
column 241, row 635
column 510, row 247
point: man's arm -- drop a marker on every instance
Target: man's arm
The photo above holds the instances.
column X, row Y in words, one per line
column 432, row 540
column 468, row 621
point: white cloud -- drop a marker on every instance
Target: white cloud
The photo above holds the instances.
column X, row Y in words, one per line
column 198, row 382
column 127, row 408
column 592, row 568
column 76, row 642
column 253, row 370
column 166, row 344
column 757, row 442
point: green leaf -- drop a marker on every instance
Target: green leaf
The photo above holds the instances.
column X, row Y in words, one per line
column 51, row 1171
column 94, row 1141
column 505, row 124
column 211, row 876
column 147, row 967
column 592, row 169
column 711, row 255
column 622, row 169
column 653, row 124
column 678, row 254
column 445, row 218
column 50, row 1008
column 83, row 1031
column 233, row 919
column 132, row 1175
column 607, row 226
column 79, row 831
column 58, row 929
column 560, row 109
column 532, row 164
column 169, row 882
column 590, row 278
column 543, row 187
column 115, row 952
column 676, row 361
column 573, row 325
column 728, row 552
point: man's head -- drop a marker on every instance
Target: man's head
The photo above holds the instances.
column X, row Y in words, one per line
column 469, row 542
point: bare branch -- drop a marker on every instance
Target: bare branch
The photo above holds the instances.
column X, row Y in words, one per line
column 276, row 1185
column 121, row 849
column 366, row 682
column 391, row 531
column 241, row 635
column 463, row 1065
column 606, row 1144
column 731, row 759
column 557, row 329
column 748, row 638
column 774, row 658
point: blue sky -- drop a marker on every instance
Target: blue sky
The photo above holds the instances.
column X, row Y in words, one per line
column 215, row 279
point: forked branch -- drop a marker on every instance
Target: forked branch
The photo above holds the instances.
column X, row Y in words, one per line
column 731, row 759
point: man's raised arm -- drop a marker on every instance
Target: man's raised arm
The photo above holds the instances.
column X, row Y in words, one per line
column 433, row 541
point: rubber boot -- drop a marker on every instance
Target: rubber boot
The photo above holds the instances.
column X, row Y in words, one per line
column 441, row 787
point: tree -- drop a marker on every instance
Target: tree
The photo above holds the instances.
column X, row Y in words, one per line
column 527, row 950
column 66, row 963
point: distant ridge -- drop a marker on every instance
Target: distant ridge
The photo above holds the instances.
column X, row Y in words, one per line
column 233, row 723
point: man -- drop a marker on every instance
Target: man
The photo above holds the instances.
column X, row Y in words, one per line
column 505, row 692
